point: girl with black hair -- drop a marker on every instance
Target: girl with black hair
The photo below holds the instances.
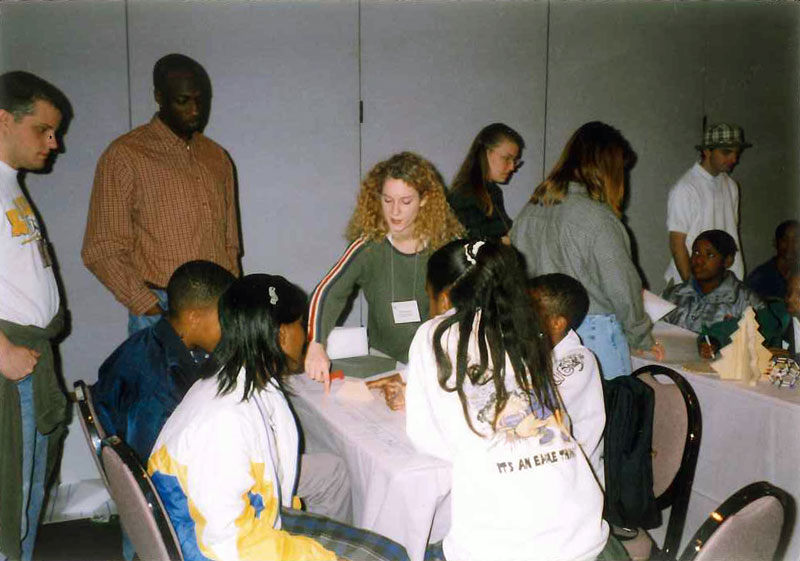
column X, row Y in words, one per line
column 481, row 395
column 226, row 461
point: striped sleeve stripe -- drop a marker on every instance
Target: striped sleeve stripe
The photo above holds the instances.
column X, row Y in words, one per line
column 317, row 299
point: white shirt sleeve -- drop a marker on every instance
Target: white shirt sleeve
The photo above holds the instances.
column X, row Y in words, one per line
column 422, row 426
column 682, row 206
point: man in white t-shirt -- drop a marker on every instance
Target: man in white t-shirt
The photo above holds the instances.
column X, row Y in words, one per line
column 32, row 405
column 706, row 198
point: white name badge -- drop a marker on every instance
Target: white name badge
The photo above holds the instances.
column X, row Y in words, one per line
column 405, row 312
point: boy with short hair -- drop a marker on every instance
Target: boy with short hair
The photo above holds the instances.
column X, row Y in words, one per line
column 779, row 320
column 769, row 280
column 713, row 299
column 562, row 303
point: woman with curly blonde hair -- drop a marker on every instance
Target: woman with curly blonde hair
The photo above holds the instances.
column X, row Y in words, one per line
column 401, row 217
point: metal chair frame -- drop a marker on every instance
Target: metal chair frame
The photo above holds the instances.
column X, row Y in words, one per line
column 146, row 487
column 677, row 493
column 94, row 431
column 733, row 505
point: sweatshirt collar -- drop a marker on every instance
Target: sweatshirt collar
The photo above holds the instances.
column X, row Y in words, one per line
column 569, row 342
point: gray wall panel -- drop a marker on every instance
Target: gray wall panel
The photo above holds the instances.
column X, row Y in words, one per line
column 435, row 73
column 752, row 76
column 633, row 66
column 285, row 107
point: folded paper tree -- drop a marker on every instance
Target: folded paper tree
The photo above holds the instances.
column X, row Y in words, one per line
column 744, row 359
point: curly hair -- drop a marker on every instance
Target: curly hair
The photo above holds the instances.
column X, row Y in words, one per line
column 435, row 224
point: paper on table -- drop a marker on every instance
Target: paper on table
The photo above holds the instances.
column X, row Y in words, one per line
column 354, row 390
column 655, row 306
column 344, row 342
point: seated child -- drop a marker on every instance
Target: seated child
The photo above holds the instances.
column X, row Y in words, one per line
column 226, row 461
column 562, row 302
column 713, row 299
column 779, row 321
column 142, row 382
column 481, row 395
column 769, row 279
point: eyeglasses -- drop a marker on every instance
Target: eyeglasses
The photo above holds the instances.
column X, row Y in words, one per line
column 511, row 160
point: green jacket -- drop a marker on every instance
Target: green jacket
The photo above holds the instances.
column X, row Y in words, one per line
column 385, row 275
column 51, row 414
column 773, row 321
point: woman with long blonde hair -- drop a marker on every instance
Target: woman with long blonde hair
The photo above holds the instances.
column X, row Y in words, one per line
column 401, row 217
column 572, row 225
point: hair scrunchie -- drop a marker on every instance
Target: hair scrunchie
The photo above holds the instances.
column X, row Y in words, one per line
column 471, row 251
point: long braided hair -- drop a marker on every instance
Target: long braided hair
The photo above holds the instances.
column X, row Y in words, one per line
column 486, row 284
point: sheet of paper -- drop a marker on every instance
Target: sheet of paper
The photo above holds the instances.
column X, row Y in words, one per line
column 345, row 342
column 655, row 306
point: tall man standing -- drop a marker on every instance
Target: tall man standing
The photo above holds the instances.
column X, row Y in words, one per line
column 706, row 198
column 163, row 195
column 32, row 405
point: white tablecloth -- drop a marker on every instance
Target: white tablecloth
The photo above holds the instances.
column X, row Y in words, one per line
column 397, row 492
column 749, row 434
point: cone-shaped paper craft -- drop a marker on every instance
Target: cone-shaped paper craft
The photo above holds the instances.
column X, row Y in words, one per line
column 745, row 359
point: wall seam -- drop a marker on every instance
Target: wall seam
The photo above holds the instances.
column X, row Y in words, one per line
column 546, row 88
column 128, row 63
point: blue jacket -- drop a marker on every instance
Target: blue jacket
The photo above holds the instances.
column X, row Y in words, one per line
column 141, row 383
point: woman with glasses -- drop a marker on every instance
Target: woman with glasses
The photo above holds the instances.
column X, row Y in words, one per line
column 475, row 195
column 572, row 225
column 401, row 217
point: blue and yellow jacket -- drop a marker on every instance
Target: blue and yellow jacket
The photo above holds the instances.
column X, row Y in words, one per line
column 224, row 467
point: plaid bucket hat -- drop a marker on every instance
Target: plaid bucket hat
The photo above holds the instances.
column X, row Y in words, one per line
column 723, row 135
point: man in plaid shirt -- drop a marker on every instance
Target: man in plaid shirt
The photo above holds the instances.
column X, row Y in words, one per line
column 163, row 195
column 706, row 198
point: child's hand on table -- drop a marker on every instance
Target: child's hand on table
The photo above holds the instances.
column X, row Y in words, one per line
column 707, row 350
column 394, row 391
column 656, row 352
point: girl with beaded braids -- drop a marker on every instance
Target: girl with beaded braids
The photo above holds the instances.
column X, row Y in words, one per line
column 226, row 461
column 480, row 394
column 401, row 217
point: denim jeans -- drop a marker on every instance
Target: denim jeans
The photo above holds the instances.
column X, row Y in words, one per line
column 602, row 334
column 137, row 323
column 34, row 465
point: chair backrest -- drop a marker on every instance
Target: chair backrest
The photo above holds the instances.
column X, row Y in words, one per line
column 141, row 511
column 749, row 526
column 677, row 429
column 90, row 424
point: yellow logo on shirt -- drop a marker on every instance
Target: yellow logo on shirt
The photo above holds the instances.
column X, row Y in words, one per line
column 23, row 222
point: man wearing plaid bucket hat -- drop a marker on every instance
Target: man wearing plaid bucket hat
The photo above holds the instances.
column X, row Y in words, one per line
column 706, row 198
